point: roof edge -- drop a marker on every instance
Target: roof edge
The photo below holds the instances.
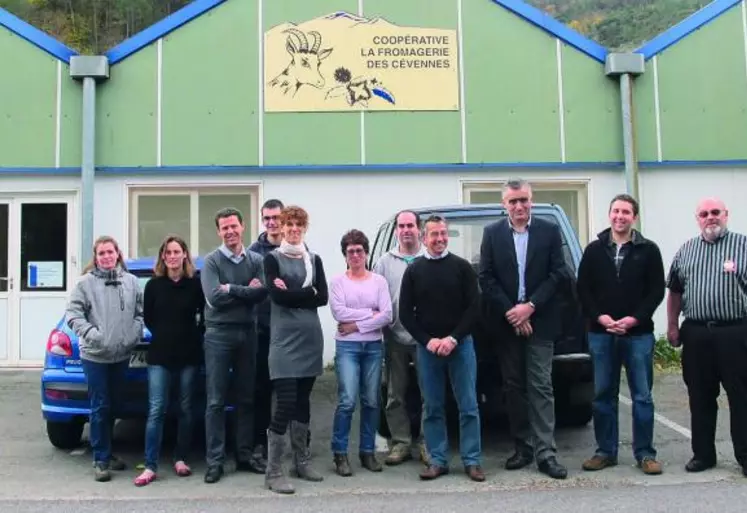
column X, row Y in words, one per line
column 686, row 27
column 549, row 24
column 36, row 37
column 160, row 29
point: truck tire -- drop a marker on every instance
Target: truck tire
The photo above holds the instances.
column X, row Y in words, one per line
column 578, row 415
column 64, row 435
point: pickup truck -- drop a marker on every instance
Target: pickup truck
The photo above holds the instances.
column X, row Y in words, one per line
column 573, row 379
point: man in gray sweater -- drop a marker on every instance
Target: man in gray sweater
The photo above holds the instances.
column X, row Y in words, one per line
column 400, row 345
column 231, row 281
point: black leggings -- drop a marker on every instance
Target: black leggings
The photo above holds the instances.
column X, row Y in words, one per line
column 292, row 402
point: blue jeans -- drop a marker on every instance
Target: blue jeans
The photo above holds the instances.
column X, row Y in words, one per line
column 358, row 368
column 609, row 353
column 105, row 388
column 160, row 382
column 461, row 366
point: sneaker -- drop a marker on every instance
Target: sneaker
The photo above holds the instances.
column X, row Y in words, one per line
column 101, row 472
column 598, row 462
column 650, row 466
column 398, row 454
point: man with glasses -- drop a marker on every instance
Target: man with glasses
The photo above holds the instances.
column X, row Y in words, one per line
column 399, row 344
column 708, row 285
column 521, row 268
column 267, row 241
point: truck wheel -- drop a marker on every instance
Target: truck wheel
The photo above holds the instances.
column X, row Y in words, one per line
column 576, row 416
column 64, row 435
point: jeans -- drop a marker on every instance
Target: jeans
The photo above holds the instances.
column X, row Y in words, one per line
column 160, row 382
column 609, row 353
column 230, row 356
column 358, row 369
column 461, row 366
column 105, row 388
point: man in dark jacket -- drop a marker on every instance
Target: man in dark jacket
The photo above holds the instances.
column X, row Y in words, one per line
column 620, row 285
column 267, row 241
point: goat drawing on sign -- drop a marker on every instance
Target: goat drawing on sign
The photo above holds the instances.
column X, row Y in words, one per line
column 305, row 62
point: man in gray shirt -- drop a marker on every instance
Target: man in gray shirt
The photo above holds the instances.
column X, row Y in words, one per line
column 231, row 281
column 400, row 345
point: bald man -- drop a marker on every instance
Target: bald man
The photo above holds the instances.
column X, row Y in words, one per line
column 708, row 284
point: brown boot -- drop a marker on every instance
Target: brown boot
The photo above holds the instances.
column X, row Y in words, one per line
column 598, row 462
column 650, row 466
column 342, row 465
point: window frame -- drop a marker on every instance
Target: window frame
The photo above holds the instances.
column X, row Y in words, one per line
column 134, row 191
column 581, row 186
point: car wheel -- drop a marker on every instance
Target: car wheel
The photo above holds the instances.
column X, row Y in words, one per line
column 65, row 435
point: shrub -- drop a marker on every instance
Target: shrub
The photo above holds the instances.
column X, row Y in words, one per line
column 666, row 357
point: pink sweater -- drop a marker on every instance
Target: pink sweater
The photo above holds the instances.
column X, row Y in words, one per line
column 355, row 301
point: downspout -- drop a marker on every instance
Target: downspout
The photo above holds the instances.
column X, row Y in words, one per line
column 90, row 70
column 627, row 66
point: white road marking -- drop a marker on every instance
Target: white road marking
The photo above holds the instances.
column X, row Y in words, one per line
column 663, row 420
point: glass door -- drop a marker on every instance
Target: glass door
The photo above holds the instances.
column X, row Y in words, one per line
column 6, row 282
column 41, row 269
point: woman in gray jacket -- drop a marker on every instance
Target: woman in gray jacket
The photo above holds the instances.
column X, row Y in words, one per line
column 106, row 313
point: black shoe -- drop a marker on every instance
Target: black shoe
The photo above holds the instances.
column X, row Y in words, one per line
column 552, row 468
column 252, row 465
column 519, row 460
column 213, row 474
column 696, row 465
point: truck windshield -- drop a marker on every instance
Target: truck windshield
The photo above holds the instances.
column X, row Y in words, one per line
column 465, row 236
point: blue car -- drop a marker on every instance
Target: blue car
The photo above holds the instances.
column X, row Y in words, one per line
column 64, row 393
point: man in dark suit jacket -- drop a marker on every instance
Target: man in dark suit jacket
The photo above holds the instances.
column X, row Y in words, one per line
column 521, row 269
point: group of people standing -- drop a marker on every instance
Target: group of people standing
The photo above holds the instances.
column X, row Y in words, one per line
column 251, row 318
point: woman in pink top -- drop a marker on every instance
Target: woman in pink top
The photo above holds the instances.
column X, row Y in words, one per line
column 360, row 303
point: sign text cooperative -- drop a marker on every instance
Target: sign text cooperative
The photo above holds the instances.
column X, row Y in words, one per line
column 397, row 52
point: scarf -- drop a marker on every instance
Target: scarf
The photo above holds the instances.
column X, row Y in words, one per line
column 296, row 250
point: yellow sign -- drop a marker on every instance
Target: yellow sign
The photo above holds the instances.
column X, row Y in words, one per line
column 343, row 62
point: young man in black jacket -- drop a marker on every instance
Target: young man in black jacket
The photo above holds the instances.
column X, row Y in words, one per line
column 438, row 306
column 621, row 284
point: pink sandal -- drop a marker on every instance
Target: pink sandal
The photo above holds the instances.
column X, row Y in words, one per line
column 147, row 477
column 182, row 469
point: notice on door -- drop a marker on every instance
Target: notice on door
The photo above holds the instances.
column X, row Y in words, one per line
column 347, row 63
column 45, row 275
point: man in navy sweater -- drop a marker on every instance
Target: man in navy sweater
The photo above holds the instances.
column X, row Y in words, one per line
column 438, row 306
column 620, row 284
column 231, row 281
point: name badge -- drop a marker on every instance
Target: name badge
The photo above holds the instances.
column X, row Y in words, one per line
column 730, row 266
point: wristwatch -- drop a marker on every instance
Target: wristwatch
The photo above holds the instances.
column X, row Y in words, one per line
column 452, row 340
column 532, row 305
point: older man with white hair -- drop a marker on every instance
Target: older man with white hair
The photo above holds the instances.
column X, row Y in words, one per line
column 708, row 285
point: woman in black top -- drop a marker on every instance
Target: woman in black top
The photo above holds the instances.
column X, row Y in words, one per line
column 173, row 311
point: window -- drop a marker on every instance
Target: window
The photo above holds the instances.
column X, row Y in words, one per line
column 189, row 213
column 44, row 247
column 571, row 196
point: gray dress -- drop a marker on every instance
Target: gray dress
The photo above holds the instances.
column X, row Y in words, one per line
column 296, row 338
